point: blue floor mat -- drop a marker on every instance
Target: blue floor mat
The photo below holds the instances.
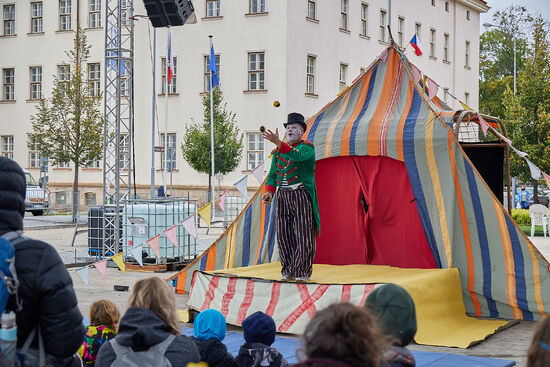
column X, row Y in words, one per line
column 288, row 346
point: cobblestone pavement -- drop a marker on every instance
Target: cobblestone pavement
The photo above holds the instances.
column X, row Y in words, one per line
column 511, row 343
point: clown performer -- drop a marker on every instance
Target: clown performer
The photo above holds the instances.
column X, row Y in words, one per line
column 292, row 174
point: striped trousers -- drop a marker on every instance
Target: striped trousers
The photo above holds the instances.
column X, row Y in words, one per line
column 295, row 232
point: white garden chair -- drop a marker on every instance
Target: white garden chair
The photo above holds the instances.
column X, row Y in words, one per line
column 539, row 217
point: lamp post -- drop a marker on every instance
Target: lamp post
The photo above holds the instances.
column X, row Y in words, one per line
column 489, row 25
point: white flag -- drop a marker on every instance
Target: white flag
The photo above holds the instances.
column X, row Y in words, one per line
column 535, row 171
column 83, row 274
column 190, row 225
column 258, row 172
column 242, row 186
column 519, row 152
column 137, row 254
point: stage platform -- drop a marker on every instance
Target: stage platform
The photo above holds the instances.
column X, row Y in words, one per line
column 441, row 316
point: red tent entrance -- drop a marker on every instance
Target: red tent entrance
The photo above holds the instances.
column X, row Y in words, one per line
column 368, row 214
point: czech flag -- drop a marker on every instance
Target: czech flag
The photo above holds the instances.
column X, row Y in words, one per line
column 169, row 57
column 415, row 43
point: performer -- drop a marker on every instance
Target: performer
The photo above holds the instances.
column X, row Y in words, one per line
column 293, row 173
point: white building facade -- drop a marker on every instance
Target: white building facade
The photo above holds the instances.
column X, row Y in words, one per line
column 301, row 53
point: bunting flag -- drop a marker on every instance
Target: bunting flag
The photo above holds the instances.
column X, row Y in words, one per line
column 519, row 152
column 384, row 55
column 424, row 81
column 242, row 186
column 416, row 74
column 189, row 225
column 432, row 88
column 535, row 171
column 547, row 178
column 505, row 139
column 464, row 106
column 484, row 125
column 83, row 274
column 136, row 253
column 119, row 261
column 153, row 243
column 172, row 234
column 221, row 199
column 101, row 267
column 206, row 213
column 258, row 172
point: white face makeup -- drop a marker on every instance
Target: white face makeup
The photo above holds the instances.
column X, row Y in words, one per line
column 294, row 132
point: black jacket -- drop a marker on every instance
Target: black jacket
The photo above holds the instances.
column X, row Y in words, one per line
column 140, row 329
column 46, row 288
column 214, row 352
column 258, row 354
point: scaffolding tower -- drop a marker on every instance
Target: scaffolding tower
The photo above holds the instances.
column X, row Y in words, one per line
column 118, row 119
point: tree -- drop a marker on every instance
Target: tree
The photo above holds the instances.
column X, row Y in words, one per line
column 68, row 127
column 228, row 142
column 527, row 114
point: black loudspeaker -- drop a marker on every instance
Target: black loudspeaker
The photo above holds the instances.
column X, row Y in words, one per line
column 163, row 13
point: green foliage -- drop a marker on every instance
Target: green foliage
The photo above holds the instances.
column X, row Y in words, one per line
column 68, row 126
column 521, row 217
column 228, row 141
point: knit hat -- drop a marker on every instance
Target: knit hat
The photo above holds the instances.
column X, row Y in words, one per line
column 259, row 328
column 394, row 308
column 209, row 324
column 12, row 186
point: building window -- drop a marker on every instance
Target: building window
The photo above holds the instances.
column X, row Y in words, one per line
column 344, row 14
column 207, row 70
column 382, row 36
column 94, row 13
column 36, row 82
column 94, row 164
column 446, row 6
column 9, row 20
column 8, row 80
column 433, row 2
column 466, row 98
column 124, row 152
column 467, row 15
column 125, row 79
column 172, row 148
column 418, row 30
column 467, row 55
column 66, row 164
column 172, row 87
column 34, row 153
column 213, row 8
column 364, row 19
column 256, row 71
column 310, row 74
column 7, row 146
column 400, row 30
column 446, row 47
column 255, row 150
column 94, row 77
column 445, row 92
column 36, row 17
column 432, row 42
column 312, row 9
column 257, row 6
column 64, row 15
column 343, row 75
column 63, row 78
column 125, row 9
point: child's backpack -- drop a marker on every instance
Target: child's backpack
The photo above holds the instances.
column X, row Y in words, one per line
column 152, row 357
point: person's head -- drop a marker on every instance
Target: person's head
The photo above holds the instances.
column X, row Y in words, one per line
column 295, row 127
column 156, row 295
column 209, row 324
column 12, row 186
column 346, row 333
column 539, row 350
column 259, row 328
column 522, row 188
column 104, row 312
column 394, row 309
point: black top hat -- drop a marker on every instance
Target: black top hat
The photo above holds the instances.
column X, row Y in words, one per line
column 296, row 118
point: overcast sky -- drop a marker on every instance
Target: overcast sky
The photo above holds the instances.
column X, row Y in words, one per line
column 533, row 6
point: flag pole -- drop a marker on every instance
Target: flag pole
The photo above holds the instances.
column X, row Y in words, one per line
column 212, row 133
column 169, row 39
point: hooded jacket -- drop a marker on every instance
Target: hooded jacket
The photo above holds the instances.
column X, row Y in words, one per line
column 258, row 354
column 140, row 329
column 209, row 330
column 46, row 288
column 214, row 352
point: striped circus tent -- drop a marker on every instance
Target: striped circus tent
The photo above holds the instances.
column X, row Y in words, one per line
column 396, row 188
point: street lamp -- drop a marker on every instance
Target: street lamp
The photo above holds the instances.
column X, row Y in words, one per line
column 489, row 25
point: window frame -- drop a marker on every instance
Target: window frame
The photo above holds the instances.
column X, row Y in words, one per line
column 312, row 4
column 8, row 89
column 173, row 86
column 8, row 23
column 467, row 15
column 445, row 92
column 310, row 73
column 260, row 6
column 400, row 30
column 7, row 147
column 63, row 76
column 383, row 23
column 207, row 69
column 65, row 18
column 172, row 144
column 37, row 83
column 446, row 39
column 94, row 78
column 467, row 54
column 94, row 14
column 33, row 153
column 364, row 19
column 344, row 9
column 343, row 70
column 467, row 98
column 260, row 72
column 433, row 2
column 433, row 37
column 258, row 151
column 214, row 9
column 38, row 26
column 447, row 7
column 418, row 30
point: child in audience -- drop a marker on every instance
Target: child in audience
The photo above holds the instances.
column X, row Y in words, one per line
column 394, row 309
column 539, row 351
column 342, row 335
column 104, row 317
column 209, row 331
column 259, row 333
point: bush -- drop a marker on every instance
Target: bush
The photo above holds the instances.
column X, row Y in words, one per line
column 521, row 217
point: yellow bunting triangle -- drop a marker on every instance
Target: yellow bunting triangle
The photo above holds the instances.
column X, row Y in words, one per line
column 465, row 107
column 119, row 262
column 206, row 212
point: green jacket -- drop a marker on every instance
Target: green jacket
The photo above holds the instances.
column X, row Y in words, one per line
column 298, row 163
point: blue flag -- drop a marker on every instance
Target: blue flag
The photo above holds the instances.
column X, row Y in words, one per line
column 213, row 69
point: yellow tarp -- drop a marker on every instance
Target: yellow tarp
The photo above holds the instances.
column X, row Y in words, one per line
column 437, row 294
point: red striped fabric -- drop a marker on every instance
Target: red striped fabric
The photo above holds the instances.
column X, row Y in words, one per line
column 247, row 301
column 228, row 296
column 210, row 293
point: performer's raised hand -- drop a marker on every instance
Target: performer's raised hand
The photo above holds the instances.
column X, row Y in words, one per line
column 266, row 198
column 273, row 137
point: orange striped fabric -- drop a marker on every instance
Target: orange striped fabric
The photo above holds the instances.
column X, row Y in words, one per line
column 346, row 134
